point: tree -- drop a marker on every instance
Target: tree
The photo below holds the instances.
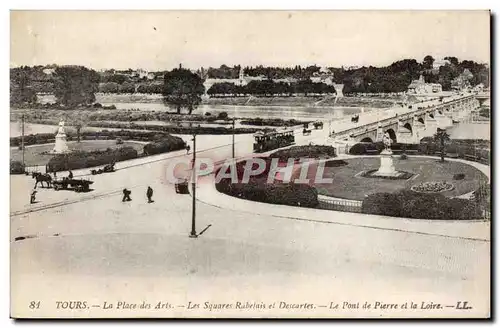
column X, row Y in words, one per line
column 428, row 61
column 75, row 85
column 452, row 60
column 442, row 137
column 182, row 89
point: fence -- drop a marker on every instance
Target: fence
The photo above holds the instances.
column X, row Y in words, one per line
column 344, row 205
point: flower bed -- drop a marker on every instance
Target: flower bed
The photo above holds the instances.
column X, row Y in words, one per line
column 432, row 187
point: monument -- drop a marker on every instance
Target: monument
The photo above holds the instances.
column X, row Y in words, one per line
column 61, row 145
column 387, row 168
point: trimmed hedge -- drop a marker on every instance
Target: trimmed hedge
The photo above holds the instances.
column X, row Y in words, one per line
column 414, row 205
column 257, row 189
column 304, row 151
column 165, row 144
column 82, row 159
column 292, row 194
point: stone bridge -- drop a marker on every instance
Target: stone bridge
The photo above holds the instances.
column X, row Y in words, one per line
column 413, row 125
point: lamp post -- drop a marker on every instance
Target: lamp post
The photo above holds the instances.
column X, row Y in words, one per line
column 193, row 215
column 233, row 138
column 22, row 136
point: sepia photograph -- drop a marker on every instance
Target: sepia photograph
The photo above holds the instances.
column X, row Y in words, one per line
column 287, row 164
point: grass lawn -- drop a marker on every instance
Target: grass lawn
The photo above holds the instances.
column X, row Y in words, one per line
column 33, row 156
column 347, row 185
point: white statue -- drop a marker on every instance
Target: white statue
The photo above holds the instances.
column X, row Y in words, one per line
column 61, row 128
column 387, row 141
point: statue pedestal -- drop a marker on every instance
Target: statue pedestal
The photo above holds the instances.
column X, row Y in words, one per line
column 387, row 168
column 61, row 145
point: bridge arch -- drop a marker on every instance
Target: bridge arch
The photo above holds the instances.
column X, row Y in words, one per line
column 408, row 127
column 392, row 135
column 367, row 139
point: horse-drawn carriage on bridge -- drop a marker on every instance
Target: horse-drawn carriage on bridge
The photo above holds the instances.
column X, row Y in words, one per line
column 318, row 125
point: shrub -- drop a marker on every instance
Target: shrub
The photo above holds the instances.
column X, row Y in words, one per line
column 222, row 116
column 208, row 114
column 83, row 159
column 358, row 149
column 414, row 205
column 164, row 145
column 16, row 167
column 458, row 176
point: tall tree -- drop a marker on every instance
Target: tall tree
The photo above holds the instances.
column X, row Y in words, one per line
column 428, row 61
column 442, row 137
column 75, row 85
column 182, row 89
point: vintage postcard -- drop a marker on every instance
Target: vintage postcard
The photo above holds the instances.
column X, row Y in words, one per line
column 250, row 164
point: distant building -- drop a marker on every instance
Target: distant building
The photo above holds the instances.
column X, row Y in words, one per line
column 420, row 87
column 439, row 62
column 323, row 76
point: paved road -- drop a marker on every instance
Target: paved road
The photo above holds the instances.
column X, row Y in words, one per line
column 89, row 245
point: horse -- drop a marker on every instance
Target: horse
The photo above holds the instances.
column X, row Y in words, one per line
column 41, row 177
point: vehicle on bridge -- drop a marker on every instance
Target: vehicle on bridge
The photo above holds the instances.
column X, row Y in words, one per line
column 318, row 125
column 306, row 132
column 78, row 185
column 272, row 140
column 355, row 119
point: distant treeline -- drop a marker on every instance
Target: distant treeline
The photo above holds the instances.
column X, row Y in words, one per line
column 270, row 88
column 73, row 85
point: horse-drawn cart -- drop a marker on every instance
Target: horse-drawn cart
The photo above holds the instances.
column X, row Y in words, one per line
column 181, row 186
column 78, row 185
column 108, row 168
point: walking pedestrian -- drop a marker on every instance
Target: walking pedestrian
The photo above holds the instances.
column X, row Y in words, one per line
column 149, row 194
column 32, row 196
column 188, row 148
column 126, row 195
column 70, row 175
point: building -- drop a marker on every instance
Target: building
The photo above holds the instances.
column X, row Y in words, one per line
column 323, row 76
column 420, row 87
column 439, row 62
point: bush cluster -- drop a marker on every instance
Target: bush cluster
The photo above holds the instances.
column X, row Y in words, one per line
column 16, row 167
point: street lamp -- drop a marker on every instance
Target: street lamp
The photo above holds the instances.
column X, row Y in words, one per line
column 193, row 215
column 233, row 137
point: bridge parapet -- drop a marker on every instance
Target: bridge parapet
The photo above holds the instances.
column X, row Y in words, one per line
column 451, row 105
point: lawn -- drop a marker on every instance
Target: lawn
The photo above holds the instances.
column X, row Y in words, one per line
column 33, row 156
column 347, row 185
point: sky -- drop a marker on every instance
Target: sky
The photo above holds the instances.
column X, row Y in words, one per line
column 161, row 40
